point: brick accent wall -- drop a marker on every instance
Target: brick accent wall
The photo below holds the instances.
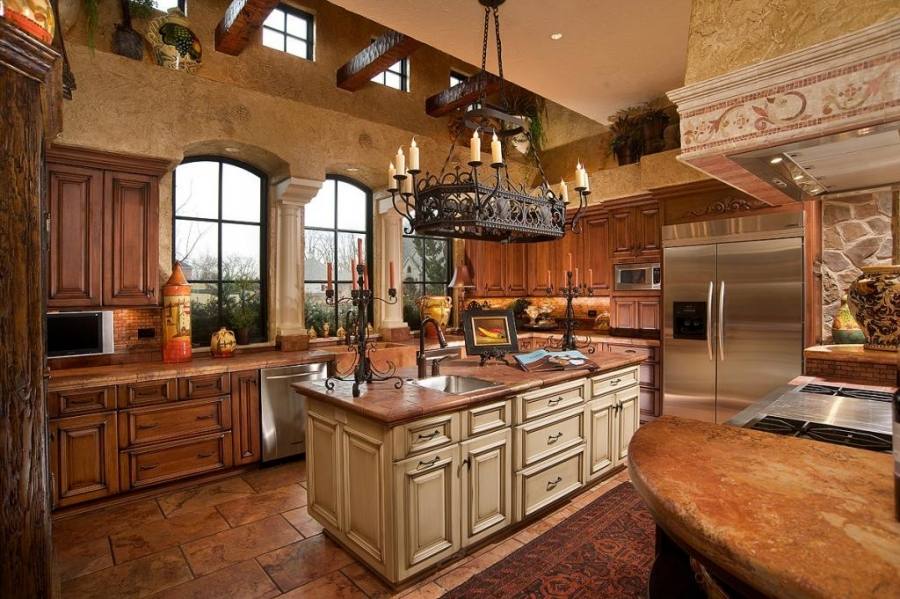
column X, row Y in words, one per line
column 853, row 372
column 127, row 323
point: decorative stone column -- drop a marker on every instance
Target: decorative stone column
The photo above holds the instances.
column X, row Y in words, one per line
column 392, row 326
column 291, row 195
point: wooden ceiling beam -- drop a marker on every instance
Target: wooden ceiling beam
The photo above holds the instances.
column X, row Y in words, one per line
column 462, row 94
column 242, row 20
column 384, row 51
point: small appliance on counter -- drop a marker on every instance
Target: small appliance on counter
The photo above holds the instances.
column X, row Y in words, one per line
column 637, row 277
column 81, row 333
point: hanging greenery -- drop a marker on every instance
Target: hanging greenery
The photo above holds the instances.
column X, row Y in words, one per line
column 92, row 11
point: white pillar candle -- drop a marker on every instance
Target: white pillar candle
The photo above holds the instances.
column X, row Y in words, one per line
column 579, row 181
column 587, row 180
column 407, row 184
column 401, row 161
column 392, row 183
column 496, row 150
column 563, row 191
column 475, row 147
column 413, row 156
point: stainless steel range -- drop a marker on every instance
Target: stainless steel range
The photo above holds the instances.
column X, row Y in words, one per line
column 841, row 415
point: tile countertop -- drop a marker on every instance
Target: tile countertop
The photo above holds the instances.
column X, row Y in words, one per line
column 789, row 517
column 92, row 376
column 851, row 353
column 594, row 335
column 391, row 406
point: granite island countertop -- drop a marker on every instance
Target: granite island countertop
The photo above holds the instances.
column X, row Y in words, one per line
column 788, row 517
column 390, row 406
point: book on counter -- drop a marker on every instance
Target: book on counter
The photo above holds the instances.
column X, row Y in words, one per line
column 542, row 361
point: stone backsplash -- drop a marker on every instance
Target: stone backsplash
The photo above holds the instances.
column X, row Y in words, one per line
column 856, row 232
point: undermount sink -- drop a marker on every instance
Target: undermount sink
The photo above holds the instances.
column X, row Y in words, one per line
column 452, row 383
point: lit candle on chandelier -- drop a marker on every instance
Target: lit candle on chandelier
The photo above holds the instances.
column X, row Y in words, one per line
column 400, row 160
column 475, row 147
column 407, row 187
column 392, row 172
column 496, row 150
column 413, row 156
column 563, row 191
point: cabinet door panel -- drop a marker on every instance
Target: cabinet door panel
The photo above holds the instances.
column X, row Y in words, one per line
column 602, row 430
column 486, row 258
column 323, row 463
column 629, row 418
column 514, row 262
column 83, row 458
column 131, row 239
column 75, row 269
column 540, row 260
column 621, row 229
column 649, row 230
column 595, row 251
column 648, row 314
column 245, row 417
column 486, row 485
column 364, row 505
column 623, row 313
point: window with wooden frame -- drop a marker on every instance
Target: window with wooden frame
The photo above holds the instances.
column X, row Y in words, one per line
column 290, row 30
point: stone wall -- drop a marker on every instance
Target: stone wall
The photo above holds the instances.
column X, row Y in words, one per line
column 856, row 232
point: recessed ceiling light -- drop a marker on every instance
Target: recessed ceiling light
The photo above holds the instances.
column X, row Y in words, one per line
column 556, row 36
column 776, row 160
column 352, row 169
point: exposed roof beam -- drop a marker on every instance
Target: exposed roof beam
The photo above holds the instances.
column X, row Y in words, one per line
column 242, row 19
column 462, row 94
column 387, row 49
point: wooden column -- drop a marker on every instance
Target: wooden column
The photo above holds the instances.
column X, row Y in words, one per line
column 25, row 549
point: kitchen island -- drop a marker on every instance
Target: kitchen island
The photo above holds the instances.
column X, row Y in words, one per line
column 766, row 515
column 410, row 478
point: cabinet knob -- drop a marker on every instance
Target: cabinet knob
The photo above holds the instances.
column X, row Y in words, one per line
column 429, row 436
column 553, row 402
column 554, row 437
column 429, row 463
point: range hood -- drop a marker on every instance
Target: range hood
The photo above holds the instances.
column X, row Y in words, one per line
column 823, row 120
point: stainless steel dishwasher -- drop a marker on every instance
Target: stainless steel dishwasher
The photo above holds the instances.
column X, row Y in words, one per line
column 284, row 410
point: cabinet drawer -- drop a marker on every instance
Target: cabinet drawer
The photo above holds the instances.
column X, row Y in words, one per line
column 648, row 353
column 549, row 481
column 552, row 399
column 613, row 381
column 81, row 401
column 140, row 426
column 210, row 385
column 161, row 463
column 540, row 439
column 485, row 419
column 425, row 435
column 132, row 395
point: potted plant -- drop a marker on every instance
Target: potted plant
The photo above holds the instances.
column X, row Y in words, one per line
column 126, row 41
column 653, row 118
column 627, row 136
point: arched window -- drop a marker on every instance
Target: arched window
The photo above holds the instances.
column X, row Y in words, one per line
column 219, row 236
column 339, row 215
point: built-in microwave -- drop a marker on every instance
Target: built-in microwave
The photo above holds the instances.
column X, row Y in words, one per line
column 81, row 333
column 633, row 277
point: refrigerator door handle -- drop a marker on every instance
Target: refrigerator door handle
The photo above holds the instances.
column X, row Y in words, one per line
column 721, row 322
column 709, row 299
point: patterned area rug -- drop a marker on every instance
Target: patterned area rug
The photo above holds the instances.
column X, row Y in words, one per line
column 603, row 550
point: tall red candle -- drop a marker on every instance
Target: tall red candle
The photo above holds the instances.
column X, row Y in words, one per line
column 353, row 272
column 391, row 267
column 330, row 273
column 359, row 252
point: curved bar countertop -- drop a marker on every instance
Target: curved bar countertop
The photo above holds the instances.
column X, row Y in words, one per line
column 787, row 517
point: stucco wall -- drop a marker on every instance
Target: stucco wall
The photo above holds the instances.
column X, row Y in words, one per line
column 727, row 34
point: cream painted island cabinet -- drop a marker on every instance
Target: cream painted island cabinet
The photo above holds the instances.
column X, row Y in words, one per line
column 406, row 496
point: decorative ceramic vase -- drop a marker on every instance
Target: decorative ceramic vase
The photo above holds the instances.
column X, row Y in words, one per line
column 176, row 294
column 845, row 329
column 874, row 300
column 173, row 43
column 223, row 343
column 438, row 308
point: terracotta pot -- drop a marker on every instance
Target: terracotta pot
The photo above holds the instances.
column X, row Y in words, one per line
column 438, row 308
column 223, row 343
column 874, row 301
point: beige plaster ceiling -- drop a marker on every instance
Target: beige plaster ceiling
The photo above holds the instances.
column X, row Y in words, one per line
column 612, row 53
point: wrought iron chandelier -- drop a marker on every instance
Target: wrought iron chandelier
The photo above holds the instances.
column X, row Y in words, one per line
column 469, row 204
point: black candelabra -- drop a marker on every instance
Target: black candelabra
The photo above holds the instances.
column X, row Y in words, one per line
column 569, row 340
column 363, row 371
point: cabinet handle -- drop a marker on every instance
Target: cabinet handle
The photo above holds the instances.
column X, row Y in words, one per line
column 615, row 382
column 430, row 435
column 146, row 427
column 551, row 484
column 429, row 463
column 466, row 462
column 207, row 454
column 149, row 466
column 554, row 437
column 630, row 351
column 205, row 417
column 553, row 402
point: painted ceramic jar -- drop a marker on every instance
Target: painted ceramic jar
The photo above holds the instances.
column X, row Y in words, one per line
column 438, row 308
column 874, row 300
column 845, row 329
column 175, row 45
column 176, row 317
column 223, row 343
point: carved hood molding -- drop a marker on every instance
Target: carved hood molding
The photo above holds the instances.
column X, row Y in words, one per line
column 847, row 83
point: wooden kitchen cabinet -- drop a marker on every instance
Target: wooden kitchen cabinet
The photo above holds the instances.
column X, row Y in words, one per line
column 486, row 485
column 540, row 260
column 515, row 265
column 245, row 417
column 594, row 255
column 634, row 229
column 362, row 456
column 602, row 425
column 323, row 474
column 83, row 456
column 131, row 239
column 649, row 230
column 621, row 232
column 634, row 312
column 629, row 419
column 76, row 224
column 499, row 269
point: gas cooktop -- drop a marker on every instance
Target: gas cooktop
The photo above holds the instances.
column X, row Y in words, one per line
column 846, row 392
column 824, row 432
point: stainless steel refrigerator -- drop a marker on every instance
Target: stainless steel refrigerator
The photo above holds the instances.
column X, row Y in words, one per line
column 733, row 313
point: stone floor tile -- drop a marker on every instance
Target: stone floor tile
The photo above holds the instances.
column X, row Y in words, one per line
column 105, row 521
column 370, row 584
column 303, row 522
column 238, row 544
column 299, row 563
column 204, row 496
column 138, row 578
column 330, row 586
column 428, row 590
column 156, row 536
column 256, row 507
column 245, row 580
column 83, row 557
column 268, row 478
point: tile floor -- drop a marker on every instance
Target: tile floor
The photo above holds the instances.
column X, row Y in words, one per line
column 243, row 537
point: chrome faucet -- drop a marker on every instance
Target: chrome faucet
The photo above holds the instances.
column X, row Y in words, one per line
column 434, row 355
